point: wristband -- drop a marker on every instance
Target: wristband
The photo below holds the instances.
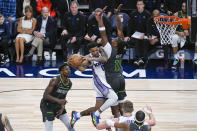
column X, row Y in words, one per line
column 101, row 28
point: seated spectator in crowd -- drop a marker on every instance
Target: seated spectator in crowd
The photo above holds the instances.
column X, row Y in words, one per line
column 20, row 7
column 4, row 38
column 61, row 7
column 93, row 34
column 173, row 6
column 94, row 4
column 8, row 9
column 152, row 31
column 151, row 5
column 43, row 32
column 180, row 36
column 46, row 3
column 25, row 28
column 5, row 123
column 73, row 30
column 138, row 23
column 127, row 4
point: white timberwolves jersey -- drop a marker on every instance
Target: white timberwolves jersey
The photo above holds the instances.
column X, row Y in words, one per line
column 123, row 119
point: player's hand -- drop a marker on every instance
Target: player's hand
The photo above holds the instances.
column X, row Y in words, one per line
column 59, row 113
column 64, row 32
column 98, row 15
column 116, row 11
column 62, row 101
column 148, row 109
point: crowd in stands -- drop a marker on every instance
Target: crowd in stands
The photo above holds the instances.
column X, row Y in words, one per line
column 46, row 23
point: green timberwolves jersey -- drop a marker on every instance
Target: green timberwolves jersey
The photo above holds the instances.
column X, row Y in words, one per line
column 61, row 90
column 114, row 63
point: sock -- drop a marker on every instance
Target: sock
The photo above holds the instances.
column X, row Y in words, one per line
column 97, row 113
column 195, row 56
column 32, row 50
column 78, row 115
column 176, row 56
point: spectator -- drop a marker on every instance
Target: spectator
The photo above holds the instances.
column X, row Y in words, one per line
column 73, row 30
column 62, row 6
column 152, row 31
column 5, row 123
column 138, row 23
column 25, row 28
column 93, row 30
column 4, row 38
column 20, row 7
column 8, row 9
column 129, row 5
column 43, row 32
column 94, row 4
column 173, row 6
column 151, row 5
column 180, row 35
column 49, row 4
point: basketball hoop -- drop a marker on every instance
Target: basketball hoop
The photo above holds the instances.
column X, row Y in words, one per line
column 167, row 25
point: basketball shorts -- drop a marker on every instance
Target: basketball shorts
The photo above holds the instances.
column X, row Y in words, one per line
column 49, row 111
column 117, row 82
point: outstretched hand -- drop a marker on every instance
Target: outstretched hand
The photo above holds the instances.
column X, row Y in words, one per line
column 116, row 11
column 98, row 15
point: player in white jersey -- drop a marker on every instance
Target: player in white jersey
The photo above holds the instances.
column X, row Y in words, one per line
column 105, row 96
column 126, row 118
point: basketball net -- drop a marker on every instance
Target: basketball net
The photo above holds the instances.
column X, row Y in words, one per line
column 166, row 26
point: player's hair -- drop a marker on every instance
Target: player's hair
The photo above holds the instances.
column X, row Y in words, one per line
column 74, row 2
column 139, row 117
column 128, row 106
column 121, row 46
column 92, row 45
column 61, row 67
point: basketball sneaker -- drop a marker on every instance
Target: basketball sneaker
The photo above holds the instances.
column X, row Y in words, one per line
column 95, row 119
column 74, row 119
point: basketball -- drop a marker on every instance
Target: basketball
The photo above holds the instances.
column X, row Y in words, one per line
column 75, row 60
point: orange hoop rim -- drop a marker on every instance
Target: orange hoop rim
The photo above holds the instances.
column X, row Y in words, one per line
column 176, row 22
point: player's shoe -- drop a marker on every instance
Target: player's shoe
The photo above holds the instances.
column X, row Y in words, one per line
column 74, row 118
column 95, row 119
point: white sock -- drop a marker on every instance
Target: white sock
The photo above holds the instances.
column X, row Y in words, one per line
column 176, row 56
column 97, row 113
column 78, row 114
column 195, row 56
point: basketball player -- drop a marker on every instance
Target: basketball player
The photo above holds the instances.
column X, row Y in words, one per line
column 5, row 123
column 127, row 116
column 139, row 124
column 105, row 96
column 53, row 102
column 113, row 67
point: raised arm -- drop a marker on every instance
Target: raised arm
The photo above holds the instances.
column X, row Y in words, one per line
column 6, row 123
column 151, row 121
column 102, row 30
column 118, row 22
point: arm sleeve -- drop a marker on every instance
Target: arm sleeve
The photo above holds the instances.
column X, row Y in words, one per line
column 108, row 49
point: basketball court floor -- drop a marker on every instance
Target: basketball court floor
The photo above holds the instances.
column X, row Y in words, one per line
column 172, row 95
